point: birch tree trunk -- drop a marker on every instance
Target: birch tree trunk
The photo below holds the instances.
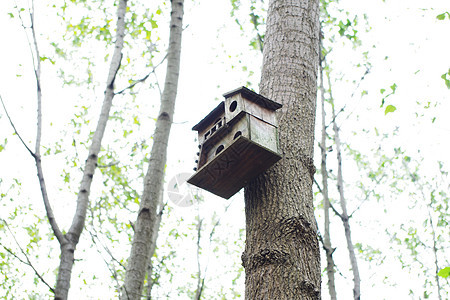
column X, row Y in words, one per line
column 344, row 214
column 326, row 201
column 144, row 226
column 71, row 238
column 282, row 257
column 152, row 248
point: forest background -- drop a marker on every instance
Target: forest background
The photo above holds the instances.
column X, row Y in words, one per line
column 386, row 65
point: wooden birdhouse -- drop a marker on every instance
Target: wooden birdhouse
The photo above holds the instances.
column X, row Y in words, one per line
column 238, row 141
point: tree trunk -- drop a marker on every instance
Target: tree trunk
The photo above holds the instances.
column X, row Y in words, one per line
column 326, row 201
column 344, row 215
column 70, row 240
column 282, row 257
column 152, row 248
column 144, row 226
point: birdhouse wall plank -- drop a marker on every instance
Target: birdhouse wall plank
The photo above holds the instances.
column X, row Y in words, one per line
column 233, row 167
column 238, row 103
column 224, row 138
column 263, row 133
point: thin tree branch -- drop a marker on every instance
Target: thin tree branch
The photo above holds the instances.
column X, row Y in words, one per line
column 37, row 71
column 143, row 79
column 344, row 215
column 33, row 59
column 27, row 262
column 353, row 93
column 110, row 266
column 331, row 205
column 336, row 212
column 15, row 130
column 36, row 155
column 200, row 282
column 318, row 186
column 359, row 206
column 108, row 165
column 326, row 200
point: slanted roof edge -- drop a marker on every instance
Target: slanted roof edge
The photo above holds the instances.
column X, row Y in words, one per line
column 212, row 115
column 255, row 97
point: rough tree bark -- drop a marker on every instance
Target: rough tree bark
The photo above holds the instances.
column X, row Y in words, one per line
column 282, row 256
column 144, row 226
column 326, row 201
column 70, row 240
column 344, row 214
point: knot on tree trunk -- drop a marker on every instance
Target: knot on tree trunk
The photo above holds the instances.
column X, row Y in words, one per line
column 309, row 288
column 308, row 162
column 164, row 116
column 263, row 257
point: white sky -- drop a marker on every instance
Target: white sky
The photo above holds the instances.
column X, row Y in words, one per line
column 406, row 32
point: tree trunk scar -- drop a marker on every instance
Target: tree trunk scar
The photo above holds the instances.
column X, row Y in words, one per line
column 264, row 257
column 308, row 162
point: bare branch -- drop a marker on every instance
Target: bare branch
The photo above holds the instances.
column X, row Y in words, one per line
column 27, row 262
column 353, row 93
column 336, row 212
column 34, row 60
column 318, row 186
column 108, row 165
column 15, row 130
column 143, row 79
column 36, row 155
column 360, row 204
column 213, row 230
column 111, row 267
column 134, row 83
column 94, row 236
column 200, row 280
column 37, row 71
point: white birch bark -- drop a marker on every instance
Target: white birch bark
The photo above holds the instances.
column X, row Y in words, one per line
column 144, row 226
column 326, row 201
column 152, row 248
column 344, row 214
column 71, row 238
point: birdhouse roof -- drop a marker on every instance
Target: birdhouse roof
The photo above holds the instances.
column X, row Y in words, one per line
column 211, row 117
column 254, row 97
column 220, row 109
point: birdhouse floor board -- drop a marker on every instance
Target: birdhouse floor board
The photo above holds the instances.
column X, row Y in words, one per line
column 233, row 167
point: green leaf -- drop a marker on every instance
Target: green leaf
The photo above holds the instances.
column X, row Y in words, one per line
column 382, row 91
column 446, row 77
column 445, row 272
column 2, row 146
column 154, row 24
column 393, row 88
column 442, row 16
column 390, row 108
